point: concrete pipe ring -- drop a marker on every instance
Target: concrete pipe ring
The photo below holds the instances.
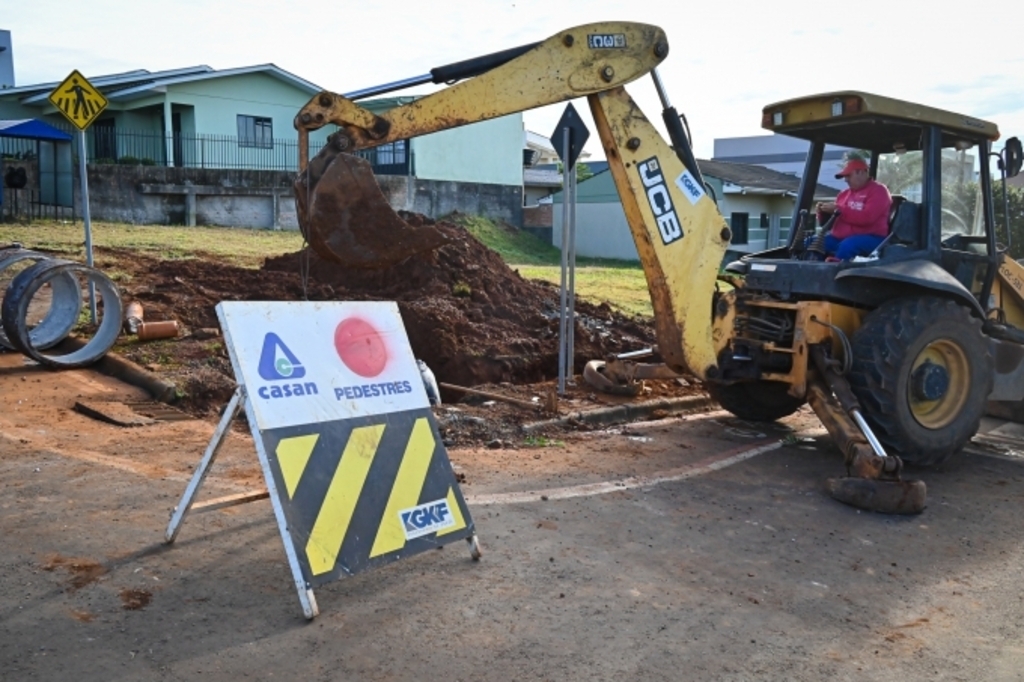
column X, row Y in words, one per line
column 28, row 282
column 65, row 305
column 593, row 374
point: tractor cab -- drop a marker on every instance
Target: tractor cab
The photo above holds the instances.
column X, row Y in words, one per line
column 942, row 233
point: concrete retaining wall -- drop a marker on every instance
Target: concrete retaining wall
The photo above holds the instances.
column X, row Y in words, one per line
column 537, row 221
column 435, row 198
column 537, row 216
column 158, row 195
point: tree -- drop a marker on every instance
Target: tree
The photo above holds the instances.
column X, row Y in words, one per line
column 1015, row 199
column 900, row 172
column 582, row 171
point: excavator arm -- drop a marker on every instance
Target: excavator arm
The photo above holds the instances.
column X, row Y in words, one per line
column 574, row 63
column 679, row 234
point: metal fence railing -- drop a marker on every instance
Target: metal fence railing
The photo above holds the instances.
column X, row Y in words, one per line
column 108, row 145
column 29, row 204
column 18, row 148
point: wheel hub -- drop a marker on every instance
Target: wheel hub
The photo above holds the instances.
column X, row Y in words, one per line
column 929, row 381
column 938, row 384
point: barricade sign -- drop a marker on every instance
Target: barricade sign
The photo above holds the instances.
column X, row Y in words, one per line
column 355, row 468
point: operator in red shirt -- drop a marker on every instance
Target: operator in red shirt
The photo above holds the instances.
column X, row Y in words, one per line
column 863, row 220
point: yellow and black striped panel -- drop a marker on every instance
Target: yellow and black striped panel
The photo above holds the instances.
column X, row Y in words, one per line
column 344, row 486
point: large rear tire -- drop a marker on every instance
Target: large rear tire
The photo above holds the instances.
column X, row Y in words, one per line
column 756, row 401
column 922, row 373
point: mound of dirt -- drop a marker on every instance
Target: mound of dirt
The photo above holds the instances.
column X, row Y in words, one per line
column 470, row 317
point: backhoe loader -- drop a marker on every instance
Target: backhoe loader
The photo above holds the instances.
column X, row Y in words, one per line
column 897, row 353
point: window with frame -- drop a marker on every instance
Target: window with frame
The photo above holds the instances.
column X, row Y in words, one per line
column 255, row 131
column 391, row 153
column 739, row 223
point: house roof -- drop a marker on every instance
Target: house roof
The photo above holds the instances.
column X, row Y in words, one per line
column 744, row 178
column 537, row 141
column 141, row 83
column 532, row 140
column 542, row 177
column 750, row 179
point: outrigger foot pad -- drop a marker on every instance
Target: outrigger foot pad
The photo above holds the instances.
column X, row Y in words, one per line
column 885, row 497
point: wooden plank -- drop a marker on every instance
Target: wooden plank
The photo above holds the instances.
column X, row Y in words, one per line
column 230, row 501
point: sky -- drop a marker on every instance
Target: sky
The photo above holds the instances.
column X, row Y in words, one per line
column 726, row 61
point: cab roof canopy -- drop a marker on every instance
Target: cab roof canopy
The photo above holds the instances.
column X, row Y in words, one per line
column 862, row 120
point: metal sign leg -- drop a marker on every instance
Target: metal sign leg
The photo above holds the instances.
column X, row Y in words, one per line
column 238, row 400
column 178, row 517
column 306, row 597
column 474, row 547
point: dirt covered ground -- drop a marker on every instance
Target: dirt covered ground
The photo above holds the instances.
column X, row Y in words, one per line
column 475, row 322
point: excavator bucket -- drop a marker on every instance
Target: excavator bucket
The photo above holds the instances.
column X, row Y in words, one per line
column 346, row 218
column 885, row 497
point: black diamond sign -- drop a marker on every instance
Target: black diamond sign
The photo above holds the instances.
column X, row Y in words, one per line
column 571, row 125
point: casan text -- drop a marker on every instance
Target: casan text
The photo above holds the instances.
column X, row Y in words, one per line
column 287, row 390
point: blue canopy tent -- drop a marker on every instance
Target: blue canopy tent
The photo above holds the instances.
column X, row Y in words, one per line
column 28, row 141
column 32, row 129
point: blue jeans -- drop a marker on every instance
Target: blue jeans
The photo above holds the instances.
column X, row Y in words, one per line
column 845, row 249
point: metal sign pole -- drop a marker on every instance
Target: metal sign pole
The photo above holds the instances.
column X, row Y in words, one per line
column 84, row 178
column 81, row 104
column 571, row 349
column 573, row 135
column 566, row 139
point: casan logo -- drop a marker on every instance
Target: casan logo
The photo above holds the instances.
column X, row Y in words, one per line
column 278, row 363
column 660, row 200
column 426, row 519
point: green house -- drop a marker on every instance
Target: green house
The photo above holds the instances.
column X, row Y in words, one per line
column 200, row 117
column 192, row 117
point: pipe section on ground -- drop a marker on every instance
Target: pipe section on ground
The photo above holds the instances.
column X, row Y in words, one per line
column 65, row 305
column 28, row 282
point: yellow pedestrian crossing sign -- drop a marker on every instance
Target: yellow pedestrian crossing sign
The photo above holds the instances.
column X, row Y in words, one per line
column 78, row 100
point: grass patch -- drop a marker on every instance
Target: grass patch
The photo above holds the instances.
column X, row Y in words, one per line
column 239, row 246
column 542, row 442
column 624, row 288
column 621, row 283
column 514, row 246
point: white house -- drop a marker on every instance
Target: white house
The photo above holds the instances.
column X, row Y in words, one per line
column 779, row 153
column 757, row 203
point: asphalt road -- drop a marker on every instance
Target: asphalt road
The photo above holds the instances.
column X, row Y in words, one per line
column 651, row 563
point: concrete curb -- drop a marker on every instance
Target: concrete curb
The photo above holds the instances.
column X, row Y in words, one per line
column 625, row 412
column 127, row 371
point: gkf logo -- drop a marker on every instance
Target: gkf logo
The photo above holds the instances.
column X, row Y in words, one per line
column 426, row 519
column 660, row 200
